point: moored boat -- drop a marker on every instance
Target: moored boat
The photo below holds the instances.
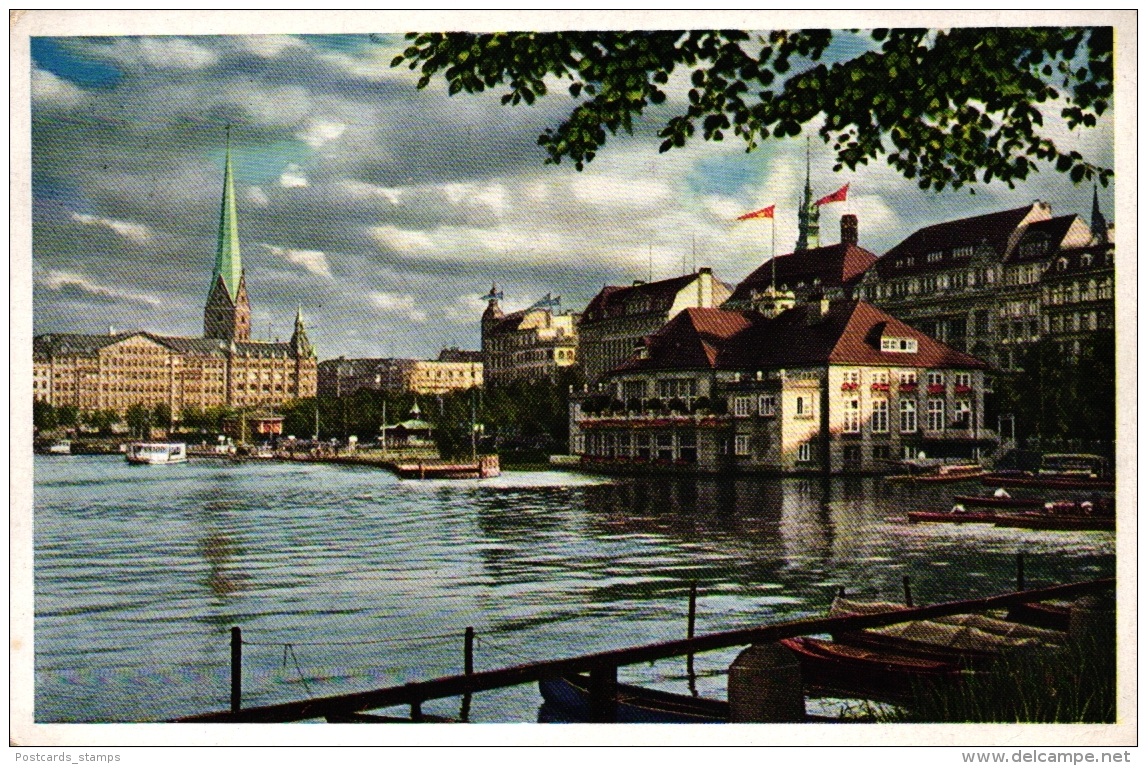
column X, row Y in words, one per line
column 60, row 447
column 156, row 453
column 1057, row 523
column 998, row 502
column 930, row 472
column 569, row 696
column 952, row 517
column 1047, row 482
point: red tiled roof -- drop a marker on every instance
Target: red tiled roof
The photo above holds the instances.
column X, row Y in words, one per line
column 848, row 333
column 993, row 228
column 612, row 299
column 834, row 265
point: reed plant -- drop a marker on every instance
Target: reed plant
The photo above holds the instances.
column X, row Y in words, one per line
column 1074, row 683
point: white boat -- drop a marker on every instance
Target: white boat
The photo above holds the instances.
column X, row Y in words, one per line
column 156, row 453
column 61, row 447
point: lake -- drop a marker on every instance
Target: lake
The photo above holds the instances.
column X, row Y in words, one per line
column 345, row 578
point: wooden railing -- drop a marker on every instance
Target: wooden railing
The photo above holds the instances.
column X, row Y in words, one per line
column 602, row 666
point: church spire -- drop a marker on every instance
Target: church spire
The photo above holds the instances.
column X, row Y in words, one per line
column 1098, row 222
column 808, row 216
column 228, row 263
column 299, row 341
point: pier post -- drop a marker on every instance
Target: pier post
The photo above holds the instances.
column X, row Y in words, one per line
column 907, row 592
column 236, row 669
column 468, row 669
column 1020, row 571
column 416, row 711
column 603, row 694
column 689, row 634
column 765, row 686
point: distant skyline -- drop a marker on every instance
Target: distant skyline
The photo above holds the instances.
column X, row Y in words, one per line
column 386, row 212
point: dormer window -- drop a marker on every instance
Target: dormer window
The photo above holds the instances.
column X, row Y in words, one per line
column 898, row 345
column 935, row 257
column 1085, row 260
column 1037, row 245
column 963, row 252
column 1061, row 264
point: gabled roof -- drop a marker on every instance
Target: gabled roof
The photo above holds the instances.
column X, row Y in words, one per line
column 614, row 300
column 830, row 266
column 1053, row 231
column 848, row 333
column 995, row 229
column 692, row 340
column 69, row 343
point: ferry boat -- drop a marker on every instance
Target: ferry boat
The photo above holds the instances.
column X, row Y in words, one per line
column 60, row 447
column 156, row 453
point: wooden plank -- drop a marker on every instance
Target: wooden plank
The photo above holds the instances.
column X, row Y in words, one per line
column 454, row 686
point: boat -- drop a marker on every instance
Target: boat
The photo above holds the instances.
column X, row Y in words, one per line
column 1042, row 614
column 1057, row 523
column 568, row 695
column 855, row 671
column 1047, row 482
column 952, row 517
column 1059, row 471
column 993, row 501
column 486, row 467
column 156, row 453
column 60, row 447
column 932, row 472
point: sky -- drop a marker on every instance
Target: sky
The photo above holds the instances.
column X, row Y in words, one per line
column 385, row 213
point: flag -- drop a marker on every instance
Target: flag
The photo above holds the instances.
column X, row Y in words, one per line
column 765, row 212
column 840, row 195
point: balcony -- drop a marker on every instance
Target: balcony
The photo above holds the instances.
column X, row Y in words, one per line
column 880, row 387
column 907, row 388
column 937, row 388
column 849, row 386
column 963, row 389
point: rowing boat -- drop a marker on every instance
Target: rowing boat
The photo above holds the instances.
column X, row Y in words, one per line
column 998, row 502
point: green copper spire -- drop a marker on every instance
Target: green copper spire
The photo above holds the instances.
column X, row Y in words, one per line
column 227, row 261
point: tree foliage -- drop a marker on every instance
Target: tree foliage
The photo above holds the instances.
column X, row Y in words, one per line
column 947, row 107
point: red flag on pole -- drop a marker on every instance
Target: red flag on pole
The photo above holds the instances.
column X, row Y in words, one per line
column 840, row 195
column 765, row 212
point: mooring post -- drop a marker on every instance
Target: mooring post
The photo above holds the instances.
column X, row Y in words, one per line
column 468, row 669
column 416, row 711
column 603, row 694
column 236, row 669
column 907, row 592
column 1020, row 571
column 690, row 631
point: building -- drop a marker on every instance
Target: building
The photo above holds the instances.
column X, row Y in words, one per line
column 832, row 271
column 619, row 318
column 454, row 370
column 533, row 344
column 223, row 368
column 976, row 284
column 825, row 386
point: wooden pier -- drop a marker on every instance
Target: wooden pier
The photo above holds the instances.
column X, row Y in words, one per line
column 602, row 666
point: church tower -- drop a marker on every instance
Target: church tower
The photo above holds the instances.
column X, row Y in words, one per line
column 808, row 216
column 227, row 315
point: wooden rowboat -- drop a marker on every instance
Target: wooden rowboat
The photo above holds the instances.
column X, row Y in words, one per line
column 916, row 517
column 1048, row 482
column 974, row 501
column 569, row 698
column 868, row 673
column 1041, row 615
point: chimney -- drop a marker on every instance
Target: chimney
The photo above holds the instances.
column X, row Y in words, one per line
column 705, row 287
column 848, row 229
column 638, row 282
column 111, row 330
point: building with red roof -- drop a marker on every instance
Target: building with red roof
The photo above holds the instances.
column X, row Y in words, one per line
column 823, row 386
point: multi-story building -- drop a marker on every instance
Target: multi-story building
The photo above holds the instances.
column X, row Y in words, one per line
column 976, row 283
column 225, row 367
column 453, row 370
column 832, row 271
column 619, row 318
column 533, row 344
column 825, row 386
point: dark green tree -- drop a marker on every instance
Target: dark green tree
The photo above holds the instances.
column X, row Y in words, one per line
column 947, row 107
column 67, row 416
column 43, row 416
column 138, row 419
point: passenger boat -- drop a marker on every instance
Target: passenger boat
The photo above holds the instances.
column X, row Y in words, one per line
column 974, row 501
column 60, row 447
column 156, row 453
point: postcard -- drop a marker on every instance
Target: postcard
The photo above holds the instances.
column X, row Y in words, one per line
column 770, row 369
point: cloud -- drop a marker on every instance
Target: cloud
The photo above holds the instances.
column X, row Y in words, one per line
column 136, row 232
column 157, row 52
column 48, row 89
column 293, row 177
column 270, row 46
column 63, row 280
column 257, row 197
column 360, row 190
column 320, row 132
column 314, row 261
column 392, row 303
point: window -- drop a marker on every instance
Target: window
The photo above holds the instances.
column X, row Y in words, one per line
column 742, row 406
column 851, row 380
column 803, row 408
column 881, row 452
column 898, row 345
column 804, row 452
column 741, row 444
column 935, row 414
column 879, row 416
column 935, row 257
column 908, row 378
column 766, row 405
column 963, row 252
column 852, row 454
column 963, row 380
column 852, row 416
column 880, row 378
column 963, row 414
column 907, row 416
column 935, row 379
column 642, row 441
column 664, row 446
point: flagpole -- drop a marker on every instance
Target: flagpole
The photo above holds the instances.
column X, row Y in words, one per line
column 774, row 259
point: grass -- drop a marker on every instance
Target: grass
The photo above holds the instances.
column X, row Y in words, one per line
column 1072, row 684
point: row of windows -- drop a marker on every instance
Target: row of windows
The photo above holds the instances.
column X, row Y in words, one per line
column 1076, row 292
column 878, row 416
column 954, row 280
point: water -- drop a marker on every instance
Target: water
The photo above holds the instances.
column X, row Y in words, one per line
column 140, row 572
